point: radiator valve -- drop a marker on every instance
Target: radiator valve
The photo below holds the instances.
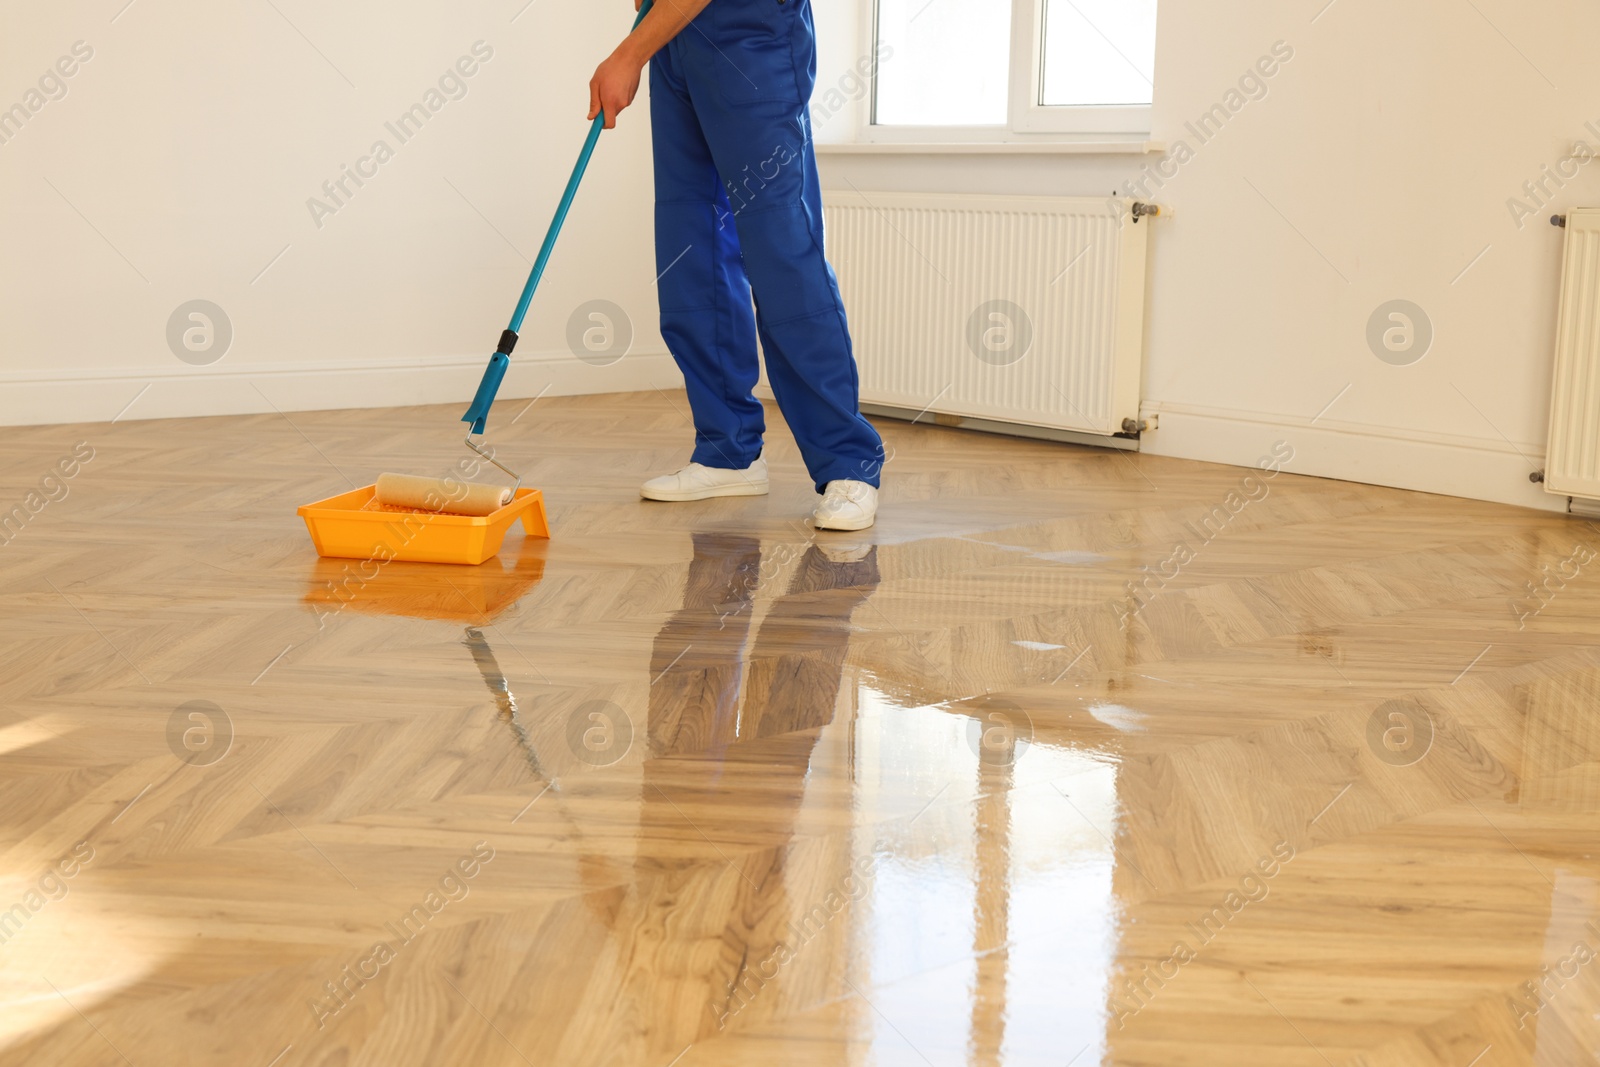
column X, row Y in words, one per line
column 1558, row 220
column 1141, row 209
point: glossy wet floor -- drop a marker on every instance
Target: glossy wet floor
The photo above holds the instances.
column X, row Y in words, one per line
column 1079, row 757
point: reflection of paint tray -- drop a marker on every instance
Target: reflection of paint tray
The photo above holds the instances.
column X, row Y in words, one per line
column 457, row 594
column 471, row 595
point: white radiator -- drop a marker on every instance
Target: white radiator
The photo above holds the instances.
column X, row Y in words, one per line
column 1015, row 309
column 1572, row 466
column 1572, row 462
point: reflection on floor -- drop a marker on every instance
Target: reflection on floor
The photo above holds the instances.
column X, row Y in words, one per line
column 1080, row 758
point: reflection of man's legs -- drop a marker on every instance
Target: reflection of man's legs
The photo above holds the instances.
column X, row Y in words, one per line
column 794, row 683
column 696, row 660
column 797, row 663
column 799, row 654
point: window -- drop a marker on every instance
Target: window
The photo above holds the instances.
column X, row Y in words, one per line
column 987, row 69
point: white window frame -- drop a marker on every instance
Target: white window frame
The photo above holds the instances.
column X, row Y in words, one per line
column 1028, row 120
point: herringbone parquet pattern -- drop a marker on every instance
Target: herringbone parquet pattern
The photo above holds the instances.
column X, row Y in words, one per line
column 1078, row 757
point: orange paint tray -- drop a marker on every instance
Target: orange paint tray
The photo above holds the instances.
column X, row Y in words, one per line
column 347, row 526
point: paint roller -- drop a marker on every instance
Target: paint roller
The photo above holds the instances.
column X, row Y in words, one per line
column 460, row 498
column 447, row 496
column 477, row 415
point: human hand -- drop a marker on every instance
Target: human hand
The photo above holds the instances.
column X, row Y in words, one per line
column 614, row 85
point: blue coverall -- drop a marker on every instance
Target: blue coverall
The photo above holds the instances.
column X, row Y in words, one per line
column 735, row 173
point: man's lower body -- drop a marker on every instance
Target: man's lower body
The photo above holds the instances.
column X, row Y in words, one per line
column 739, row 213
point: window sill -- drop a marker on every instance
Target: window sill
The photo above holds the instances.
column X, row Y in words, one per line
column 997, row 148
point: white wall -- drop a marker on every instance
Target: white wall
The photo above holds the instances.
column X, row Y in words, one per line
column 1378, row 166
column 180, row 162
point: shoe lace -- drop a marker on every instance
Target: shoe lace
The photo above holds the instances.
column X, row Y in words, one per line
column 841, row 491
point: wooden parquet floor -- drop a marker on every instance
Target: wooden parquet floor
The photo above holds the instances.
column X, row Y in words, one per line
column 1079, row 757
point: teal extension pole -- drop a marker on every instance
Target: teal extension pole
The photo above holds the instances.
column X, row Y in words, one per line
column 478, row 412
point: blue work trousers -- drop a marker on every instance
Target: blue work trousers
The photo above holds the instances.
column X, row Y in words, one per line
column 739, row 212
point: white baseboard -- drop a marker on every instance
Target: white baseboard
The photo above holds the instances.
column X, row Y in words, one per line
column 104, row 395
column 1431, row 463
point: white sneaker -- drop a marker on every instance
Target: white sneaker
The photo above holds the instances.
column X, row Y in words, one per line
column 847, row 505
column 699, row 482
